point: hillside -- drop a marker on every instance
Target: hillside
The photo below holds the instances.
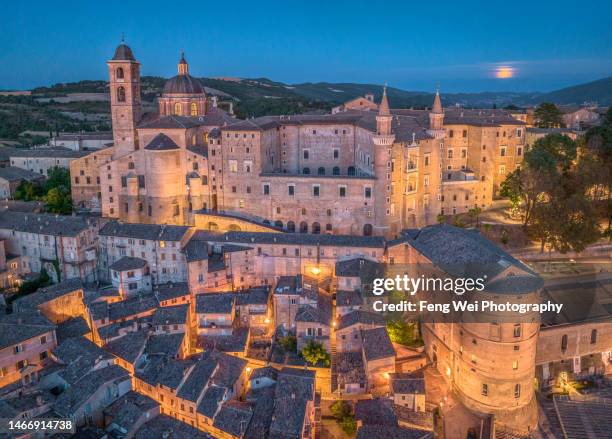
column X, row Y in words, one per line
column 312, row 96
column 84, row 105
column 599, row 91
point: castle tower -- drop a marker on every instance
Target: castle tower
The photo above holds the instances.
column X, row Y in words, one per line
column 436, row 116
column 383, row 146
column 124, row 75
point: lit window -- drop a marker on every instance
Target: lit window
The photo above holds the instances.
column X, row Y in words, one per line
column 194, row 109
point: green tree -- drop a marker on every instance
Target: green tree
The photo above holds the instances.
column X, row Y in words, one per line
column 57, row 177
column 441, row 218
column 314, row 353
column 474, row 213
column 28, row 287
column 547, row 115
column 343, row 413
column 565, row 223
column 458, row 222
column 340, row 409
column 402, row 332
column 348, row 424
column 596, row 161
column 288, row 343
column 58, row 200
column 28, row 191
column 545, row 166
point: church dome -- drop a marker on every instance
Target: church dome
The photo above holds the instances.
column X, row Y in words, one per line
column 183, row 84
column 123, row 53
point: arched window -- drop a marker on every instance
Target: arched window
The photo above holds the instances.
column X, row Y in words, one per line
column 278, row 223
column 121, row 94
column 119, row 73
column 303, row 227
column 194, row 109
column 234, row 228
column 351, row 170
column 328, row 228
column 290, row 226
column 316, row 228
column 213, row 226
column 564, row 342
column 367, row 230
column 178, row 109
column 321, row 171
column 306, row 171
column 336, row 170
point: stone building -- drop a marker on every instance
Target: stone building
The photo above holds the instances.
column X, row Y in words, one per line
column 65, row 246
column 26, row 338
column 362, row 172
column 85, row 183
column 12, row 176
column 44, row 159
column 488, row 358
column 579, row 118
column 157, row 245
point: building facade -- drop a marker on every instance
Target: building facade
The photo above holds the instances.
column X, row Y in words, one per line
column 372, row 172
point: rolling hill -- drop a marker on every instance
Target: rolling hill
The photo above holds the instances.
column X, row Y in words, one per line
column 327, row 94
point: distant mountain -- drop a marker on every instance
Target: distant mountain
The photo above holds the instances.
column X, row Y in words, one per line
column 321, row 95
column 599, row 91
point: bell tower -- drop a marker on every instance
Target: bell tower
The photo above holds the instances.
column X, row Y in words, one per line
column 124, row 84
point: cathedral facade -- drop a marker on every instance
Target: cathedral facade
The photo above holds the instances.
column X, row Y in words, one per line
column 369, row 170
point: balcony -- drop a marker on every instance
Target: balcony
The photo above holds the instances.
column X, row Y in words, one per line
column 411, row 167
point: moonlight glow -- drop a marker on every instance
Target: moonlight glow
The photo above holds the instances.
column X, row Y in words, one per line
column 504, row 72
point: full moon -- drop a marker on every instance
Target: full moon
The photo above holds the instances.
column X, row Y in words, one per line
column 504, row 72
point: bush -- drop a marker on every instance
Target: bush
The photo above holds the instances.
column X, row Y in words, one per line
column 288, row 343
column 348, row 424
column 340, row 409
column 315, row 354
column 28, row 287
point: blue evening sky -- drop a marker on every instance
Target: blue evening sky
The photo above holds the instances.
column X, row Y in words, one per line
column 409, row 44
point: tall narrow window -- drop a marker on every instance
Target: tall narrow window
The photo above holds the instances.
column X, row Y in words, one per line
column 121, row 94
column 194, row 109
column 517, row 391
column 178, row 109
column 564, row 342
column 119, row 73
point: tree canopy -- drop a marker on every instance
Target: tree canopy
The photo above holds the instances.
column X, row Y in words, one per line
column 315, row 353
column 554, row 189
column 547, row 115
column 55, row 192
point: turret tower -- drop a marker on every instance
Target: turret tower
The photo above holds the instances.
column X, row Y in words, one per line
column 383, row 146
column 436, row 116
